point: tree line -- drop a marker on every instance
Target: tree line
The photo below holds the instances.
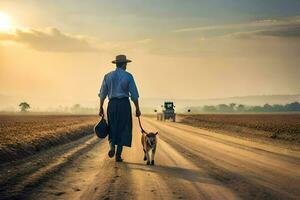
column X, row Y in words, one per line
column 233, row 107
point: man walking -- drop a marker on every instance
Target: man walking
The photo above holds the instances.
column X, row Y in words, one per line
column 119, row 85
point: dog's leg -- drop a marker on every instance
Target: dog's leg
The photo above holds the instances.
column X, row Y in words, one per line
column 145, row 156
column 148, row 157
column 153, row 155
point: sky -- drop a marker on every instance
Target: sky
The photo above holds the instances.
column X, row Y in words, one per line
column 57, row 52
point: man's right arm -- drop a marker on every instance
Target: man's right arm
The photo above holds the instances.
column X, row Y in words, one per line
column 102, row 95
column 101, row 110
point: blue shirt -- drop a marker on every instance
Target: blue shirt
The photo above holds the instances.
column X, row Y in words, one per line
column 118, row 84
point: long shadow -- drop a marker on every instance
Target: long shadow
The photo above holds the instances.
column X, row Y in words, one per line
column 176, row 172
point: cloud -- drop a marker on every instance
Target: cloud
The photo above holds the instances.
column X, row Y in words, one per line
column 50, row 39
column 288, row 27
column 287, row 21
column 282, row 32
column 293, row 20
column 145, row 41
column 209, row 28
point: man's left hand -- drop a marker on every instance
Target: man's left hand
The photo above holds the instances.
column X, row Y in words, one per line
column 101, row 112
column 138, row 112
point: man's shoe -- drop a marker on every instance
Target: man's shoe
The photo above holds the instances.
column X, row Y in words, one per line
column 119, row 159
column 111, row 152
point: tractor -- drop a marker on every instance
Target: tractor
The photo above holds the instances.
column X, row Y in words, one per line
column 168, row 112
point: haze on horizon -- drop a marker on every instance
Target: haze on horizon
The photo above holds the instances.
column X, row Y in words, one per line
column 58, row 51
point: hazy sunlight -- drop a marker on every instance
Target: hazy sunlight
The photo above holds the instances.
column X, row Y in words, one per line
column 153, row 100
column 5, row 22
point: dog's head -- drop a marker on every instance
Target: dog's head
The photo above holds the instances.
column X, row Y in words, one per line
column 151, row 138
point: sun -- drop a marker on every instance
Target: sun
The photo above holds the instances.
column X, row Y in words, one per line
column 5, row 22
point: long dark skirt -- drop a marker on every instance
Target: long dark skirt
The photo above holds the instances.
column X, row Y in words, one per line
column 120, row 122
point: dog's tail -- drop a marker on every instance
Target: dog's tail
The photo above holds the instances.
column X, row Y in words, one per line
column 142, row 130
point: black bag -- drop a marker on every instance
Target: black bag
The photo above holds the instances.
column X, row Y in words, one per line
column 101, row 129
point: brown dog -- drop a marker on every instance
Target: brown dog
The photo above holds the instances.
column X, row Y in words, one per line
column 149, row 142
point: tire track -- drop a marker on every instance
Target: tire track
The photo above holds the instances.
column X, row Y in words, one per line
column 19, row 185
column 238, row 182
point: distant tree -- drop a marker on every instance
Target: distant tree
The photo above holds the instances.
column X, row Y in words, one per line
column 291, row 107
column 278, row 108
column 224, row 108
column 79, row 109
column 256, row 109
column 295, row 106
column 232, row 106
column 209, row 109
column 76, row 108
column 268, row 108
column 241, row 108
column 24, row 106
column 66, row 109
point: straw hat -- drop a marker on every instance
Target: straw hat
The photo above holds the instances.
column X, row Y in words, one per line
column 121, row 59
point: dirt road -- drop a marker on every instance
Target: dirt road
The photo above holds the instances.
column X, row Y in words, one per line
column 190, row 164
